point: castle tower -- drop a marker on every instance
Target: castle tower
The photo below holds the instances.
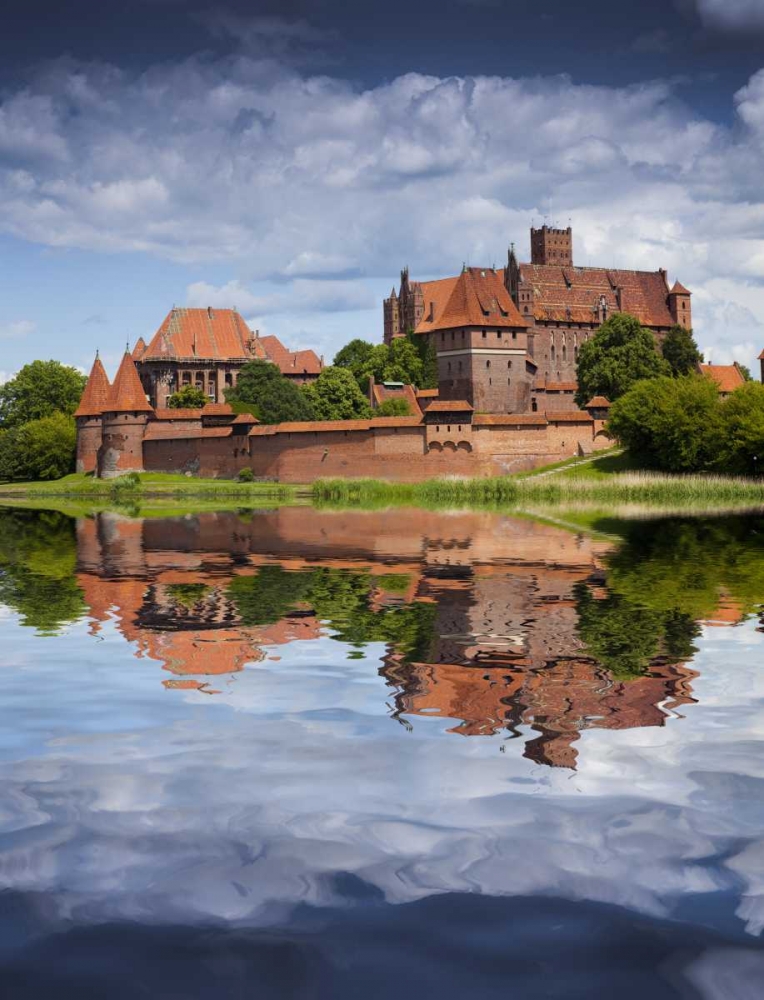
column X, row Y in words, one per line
column 88, row 416
column 392, row 317
column 680, row 306
column 552, row 246
column 125, row 416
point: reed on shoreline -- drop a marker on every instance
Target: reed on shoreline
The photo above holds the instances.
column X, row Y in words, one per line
column 649, row 488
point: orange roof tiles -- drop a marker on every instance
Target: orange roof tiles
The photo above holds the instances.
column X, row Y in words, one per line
column 598, row 401
column 291, row 362
column 127, row 393
column 433, row 393
column 138, row 350
column 96, row 392
column 322, row 426
column 181, row 413
column 508, row 419
column 435, row 295
column 727, row 377
column 478, row 298
column 572, row 294
column 568, row 417
column 245, row 418
column 203, row 333
column 561, row 386
column 162, row 431
column 217, row 410
column 679, row 289
column 450, row 406
column 382, row 393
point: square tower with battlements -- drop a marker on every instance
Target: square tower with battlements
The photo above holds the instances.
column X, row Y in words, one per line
column 552, row 246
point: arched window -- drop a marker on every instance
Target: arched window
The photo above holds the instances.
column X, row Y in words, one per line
column 488, row 364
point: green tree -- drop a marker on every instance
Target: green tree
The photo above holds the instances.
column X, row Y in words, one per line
column 619, row 354
column 40, row 389
column 393, row 408
column 188, row 397
column 745, row 371
column 354, row 356
column 671, row 424
column 680, row 350
column 336, row 395
column 408, row 359
column 39, row 449
column 741, row 448
column 264, row 392
column 403, row 363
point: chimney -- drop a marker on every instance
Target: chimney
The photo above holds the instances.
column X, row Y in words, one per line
column 209, row 311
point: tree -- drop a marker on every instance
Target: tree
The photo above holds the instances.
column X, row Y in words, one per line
column 742, row 441
column 671, row 424
column 745, row 371
column 354, row 356
column 264, row 392
column 403, row 363
column 46, row 447
column 396, row 407
column 619, row 354
column 407, row 359
column 680, row 350
column 39, row 390
column 335, row 395
column 188, row 397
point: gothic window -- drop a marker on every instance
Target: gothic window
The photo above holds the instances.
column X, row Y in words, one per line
column 509, row 364
column 488, row 364
column 484, row 334
column 551, row 350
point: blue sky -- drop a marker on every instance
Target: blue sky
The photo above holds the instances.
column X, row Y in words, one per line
column 290, row 158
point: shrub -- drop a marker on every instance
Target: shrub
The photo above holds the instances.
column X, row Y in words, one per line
column 246, row 476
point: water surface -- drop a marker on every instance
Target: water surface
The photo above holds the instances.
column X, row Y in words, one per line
column 327, row 754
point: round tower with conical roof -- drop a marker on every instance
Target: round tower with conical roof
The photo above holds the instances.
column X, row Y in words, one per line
column 89, row 417
column 125, row 415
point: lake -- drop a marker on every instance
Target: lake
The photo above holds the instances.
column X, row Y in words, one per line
column 308, row 753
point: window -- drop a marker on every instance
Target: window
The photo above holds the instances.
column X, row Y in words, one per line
column 460, row 366
column 509, row 381
column 488, row 364
column 449, row 367
column 498, row 334
column 514, row 335
column 509, row 364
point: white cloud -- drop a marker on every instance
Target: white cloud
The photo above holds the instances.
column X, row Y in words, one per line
column 731, row 15
column 16, row 328
column 302, row 184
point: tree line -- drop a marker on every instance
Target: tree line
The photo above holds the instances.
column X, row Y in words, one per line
column 667, row 414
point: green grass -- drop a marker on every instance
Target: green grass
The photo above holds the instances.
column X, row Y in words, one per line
column 148, row 485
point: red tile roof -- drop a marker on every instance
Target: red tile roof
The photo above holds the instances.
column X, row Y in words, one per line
column 568, row 417
column 187, row 413
column 435, row 295
column 599, row 402
column 433, row 393
column 508, row 419
column 727, row 377
column 139, row 349
column 449, row 406
column 382, row 393
column 96, row 392
column 218, row 334
column 245, row 418
column 561, row 386
column 478, row 298
column 162, row 431
column 291, row 362
column 217, row 410
column 321, row 426
column 679, row 289
column 572, row 294
column 127, row 393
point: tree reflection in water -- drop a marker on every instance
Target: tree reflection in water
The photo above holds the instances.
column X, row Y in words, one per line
column 505, row 626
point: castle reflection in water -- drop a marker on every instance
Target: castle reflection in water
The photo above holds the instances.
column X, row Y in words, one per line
column 480, row 614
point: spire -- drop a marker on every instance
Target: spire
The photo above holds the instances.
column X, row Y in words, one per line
column 679, row 289
column 96, row 392
column 127, row 392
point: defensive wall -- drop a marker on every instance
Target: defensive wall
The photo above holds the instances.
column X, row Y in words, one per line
column 398, row 448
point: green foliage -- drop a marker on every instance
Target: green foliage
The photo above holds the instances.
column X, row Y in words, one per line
column 38, row 561
column 188, row 397
column 340, row 598
column 39, row 390
column 335, row 395
column 408, row 359
column 680, row 350
column 264, row 392
column 39, row 450
column 393, row 408
column 671, row 424
column 619, row 354
column 745, row 371
column 741, row 448
column 246, row 475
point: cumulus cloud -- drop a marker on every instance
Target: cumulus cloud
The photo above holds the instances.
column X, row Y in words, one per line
column 311, row 181
column 16, row 328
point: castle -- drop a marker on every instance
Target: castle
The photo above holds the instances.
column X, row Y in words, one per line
column 516, row 347
column 506, row 343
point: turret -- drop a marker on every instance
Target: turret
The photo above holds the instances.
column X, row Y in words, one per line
column 89, row 417
column 125, row 416
column 679, row 305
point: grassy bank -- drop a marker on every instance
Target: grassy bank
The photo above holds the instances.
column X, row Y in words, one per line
column 636, row 488
column 151, row 485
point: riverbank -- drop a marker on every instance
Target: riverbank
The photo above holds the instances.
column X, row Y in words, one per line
column 151, row 485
